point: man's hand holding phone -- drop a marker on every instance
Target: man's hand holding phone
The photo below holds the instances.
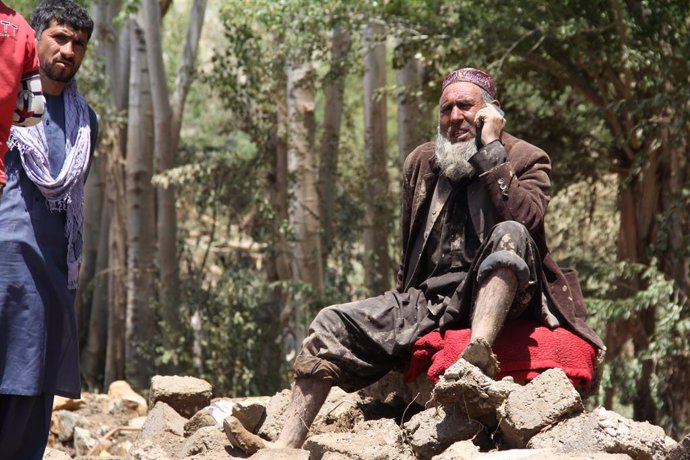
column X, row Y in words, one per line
column 489, row 122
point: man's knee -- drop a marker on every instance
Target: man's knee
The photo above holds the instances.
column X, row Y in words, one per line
column 510, row 230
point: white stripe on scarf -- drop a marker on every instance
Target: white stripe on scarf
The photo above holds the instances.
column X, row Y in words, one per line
column 66, row 192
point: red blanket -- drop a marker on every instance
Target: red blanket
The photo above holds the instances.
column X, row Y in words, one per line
column 523, row 347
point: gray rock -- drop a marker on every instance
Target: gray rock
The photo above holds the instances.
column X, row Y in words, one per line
column 199, row 420
column 163, row 419
column 250, row 411
column 275, row 415
column 54, row 454
column 187, row 395
column 281, row 454
column 84, row 441
column 479, row 395
column 461, row 450
column 548, row 398
column 681, row 451
column 203, row 441
column 433, row 430
column 67, row 422
column 605, row 431
column 150, row 449
column 370, row 440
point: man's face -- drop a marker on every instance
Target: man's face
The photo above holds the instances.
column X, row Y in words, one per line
column 61, row 49
column 458, row 106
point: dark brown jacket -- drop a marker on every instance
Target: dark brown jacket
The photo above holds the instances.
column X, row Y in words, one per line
column 515, row 190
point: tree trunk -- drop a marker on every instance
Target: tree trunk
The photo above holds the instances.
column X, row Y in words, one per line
column 141, row 319
column 165, row 158
column 412, row 120
column 93, row 207
column 377, row 217
column 104, row 356
column 330, row 140
column 304, row 209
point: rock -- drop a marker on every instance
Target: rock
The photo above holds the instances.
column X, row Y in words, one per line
column 605, row 431
column 275, row 415
column 548, row 398
column 461, row 450
column 479, row 395
column 122, row 399
column 54, row 454
column 62, row 403
column 66, row 422
column 681, row 451
column 370, row 440
column 433, row 430
column 187, row 395
column 136, row 422
column 150, row 449
column 199, row 420
column 161, row 419
column 120, row 449
column 281, row 454
column 84, row 441
column 203, row 441
column 250, row 411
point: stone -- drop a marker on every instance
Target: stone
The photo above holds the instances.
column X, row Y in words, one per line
column 199, row 420
column 161, row 419
column 187, row 395
column 84, row 441
column 204, row 440
column 281, row 454
column 605, row 431
column 62, row 403
column 149, row 449
column 66, row 422
column 681, row 451
column 122, row 399
column 547, row 399
column 478, row 395
column 461, row 450
column 55, row 454
column 370, row 440
column 433, row 430
column 250, row 411
column 275, row 415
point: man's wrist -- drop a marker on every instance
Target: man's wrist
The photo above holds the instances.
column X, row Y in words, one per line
column 489, row 156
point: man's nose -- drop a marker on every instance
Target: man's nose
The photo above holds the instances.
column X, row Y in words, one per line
column 67, row 50
column 456, row 115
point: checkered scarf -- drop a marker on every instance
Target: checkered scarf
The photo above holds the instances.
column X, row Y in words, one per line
column 66, row 192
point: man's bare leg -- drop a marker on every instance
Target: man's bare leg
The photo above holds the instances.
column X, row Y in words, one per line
column 308, row 395
column 496, row 295
column 494, row 299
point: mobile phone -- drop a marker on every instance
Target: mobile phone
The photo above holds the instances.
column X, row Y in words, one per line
column 480, row 123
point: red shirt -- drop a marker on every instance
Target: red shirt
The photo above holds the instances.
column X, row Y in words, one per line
column 19, row 60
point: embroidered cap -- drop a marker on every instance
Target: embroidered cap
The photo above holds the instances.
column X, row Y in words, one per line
column 476, row 76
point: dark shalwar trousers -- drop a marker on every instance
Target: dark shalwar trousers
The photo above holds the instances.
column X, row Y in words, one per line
column 24, row 426
column 357, row 343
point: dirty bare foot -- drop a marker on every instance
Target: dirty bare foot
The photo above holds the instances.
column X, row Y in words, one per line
column 478, row 352
column 242, row 438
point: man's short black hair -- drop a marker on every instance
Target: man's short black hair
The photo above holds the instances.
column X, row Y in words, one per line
column 64, row 12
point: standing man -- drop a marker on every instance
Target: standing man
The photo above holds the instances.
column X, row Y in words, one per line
column 473, row 255
column 21, row 101
column 41, row 238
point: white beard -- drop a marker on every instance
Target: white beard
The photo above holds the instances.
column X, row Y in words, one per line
column 452, row 158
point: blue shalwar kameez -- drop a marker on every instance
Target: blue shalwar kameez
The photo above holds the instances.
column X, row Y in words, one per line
column 39, row 349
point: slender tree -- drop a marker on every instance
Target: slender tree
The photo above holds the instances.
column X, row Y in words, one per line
column 377, row 219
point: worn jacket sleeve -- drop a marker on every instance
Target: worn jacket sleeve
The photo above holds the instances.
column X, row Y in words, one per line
column 407, row 193
column 519, row 186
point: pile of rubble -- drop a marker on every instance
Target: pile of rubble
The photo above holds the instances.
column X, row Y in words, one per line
column 467, row 416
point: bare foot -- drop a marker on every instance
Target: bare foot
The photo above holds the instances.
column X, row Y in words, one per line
column 242, row 438
column 479, row 353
